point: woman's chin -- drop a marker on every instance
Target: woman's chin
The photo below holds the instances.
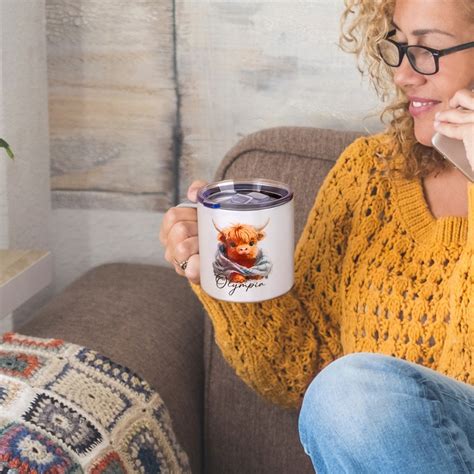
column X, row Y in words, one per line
column 424, row 136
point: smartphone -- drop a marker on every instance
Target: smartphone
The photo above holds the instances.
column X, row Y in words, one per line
column 455, row 152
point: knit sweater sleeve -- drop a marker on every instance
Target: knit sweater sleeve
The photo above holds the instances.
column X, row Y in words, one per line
column 278, row 346
column 457, row 358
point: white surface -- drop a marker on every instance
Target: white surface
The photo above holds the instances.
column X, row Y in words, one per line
column 83, row 239
column 24, row 183
column 3, row 160
column 24, row 102
column 26, row 284
column 3, row 198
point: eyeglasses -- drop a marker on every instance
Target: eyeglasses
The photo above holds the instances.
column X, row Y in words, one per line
column 423, row 60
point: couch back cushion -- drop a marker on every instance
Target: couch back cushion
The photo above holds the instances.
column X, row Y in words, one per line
column 243, row 432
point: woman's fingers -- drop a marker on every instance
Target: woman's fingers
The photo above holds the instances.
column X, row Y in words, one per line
column 464, row 132
column 463, row 98
column 172, row 217
column 181, row 231
column 194, row 188
column 183, row 253
column 456, row 116
column 182, row 244
column 179, row 235
column 185, row 249
column 169, row 257
column 458, row 122
column 192, row 270
column 462, row 108
column 192, row 266
column 449, row 129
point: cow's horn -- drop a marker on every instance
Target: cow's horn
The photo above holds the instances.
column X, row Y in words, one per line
column 217, row 228
column 259, row 229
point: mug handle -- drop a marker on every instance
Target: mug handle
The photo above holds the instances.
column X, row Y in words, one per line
column 187, row 203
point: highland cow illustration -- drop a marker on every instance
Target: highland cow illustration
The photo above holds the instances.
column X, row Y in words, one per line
column 238, row 257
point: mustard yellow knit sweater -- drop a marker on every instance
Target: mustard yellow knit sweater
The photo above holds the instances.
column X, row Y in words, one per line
column 374, row 271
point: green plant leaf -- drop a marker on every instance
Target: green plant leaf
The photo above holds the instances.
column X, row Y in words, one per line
column 4, row 144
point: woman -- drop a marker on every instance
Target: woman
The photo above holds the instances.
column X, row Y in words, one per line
column 378, row 333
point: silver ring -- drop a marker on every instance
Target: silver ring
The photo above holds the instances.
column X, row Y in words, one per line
column 183, row 265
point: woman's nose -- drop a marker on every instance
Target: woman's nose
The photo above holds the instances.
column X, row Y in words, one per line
column 405, row 75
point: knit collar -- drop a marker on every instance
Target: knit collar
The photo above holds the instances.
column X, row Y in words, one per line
column 420, row 222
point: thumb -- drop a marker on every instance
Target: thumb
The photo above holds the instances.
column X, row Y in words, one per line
column 194, row 188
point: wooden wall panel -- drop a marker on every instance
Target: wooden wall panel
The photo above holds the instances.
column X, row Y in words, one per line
column 244, row 66
column 119, row 103
column 112, row 103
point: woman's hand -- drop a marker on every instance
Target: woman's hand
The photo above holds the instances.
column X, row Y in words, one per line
column 458, row 122
column 179, row 236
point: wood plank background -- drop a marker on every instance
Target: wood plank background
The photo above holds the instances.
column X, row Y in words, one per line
column 244, row 66
column 147, row 95
column 112, row 103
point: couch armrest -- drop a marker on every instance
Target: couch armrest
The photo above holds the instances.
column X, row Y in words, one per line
column 146, row 318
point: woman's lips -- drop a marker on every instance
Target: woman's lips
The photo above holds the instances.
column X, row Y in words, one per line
column 419, row 106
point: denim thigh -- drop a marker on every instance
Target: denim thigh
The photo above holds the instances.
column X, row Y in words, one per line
column 368, row 412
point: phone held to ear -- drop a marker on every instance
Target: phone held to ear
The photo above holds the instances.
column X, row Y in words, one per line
column 454, row 151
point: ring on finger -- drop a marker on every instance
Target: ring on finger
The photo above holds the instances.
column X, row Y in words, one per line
column 183, row 265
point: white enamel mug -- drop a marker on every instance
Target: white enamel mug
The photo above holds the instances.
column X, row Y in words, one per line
column 246, row 239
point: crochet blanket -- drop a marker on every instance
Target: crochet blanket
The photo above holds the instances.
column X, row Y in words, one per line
column 67, row 409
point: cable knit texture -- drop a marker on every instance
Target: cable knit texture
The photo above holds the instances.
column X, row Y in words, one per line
column 374, row 272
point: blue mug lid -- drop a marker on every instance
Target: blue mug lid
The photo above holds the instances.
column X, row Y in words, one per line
column 245, row 194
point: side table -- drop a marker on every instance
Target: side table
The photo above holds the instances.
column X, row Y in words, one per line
column 23, row 273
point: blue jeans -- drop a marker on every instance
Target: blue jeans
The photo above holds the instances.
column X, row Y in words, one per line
column 371, row 413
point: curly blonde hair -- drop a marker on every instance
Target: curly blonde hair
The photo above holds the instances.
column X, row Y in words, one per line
column 363, row 24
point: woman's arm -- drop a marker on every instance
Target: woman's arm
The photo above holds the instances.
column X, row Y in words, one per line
column 277, row 346
column 457, row 358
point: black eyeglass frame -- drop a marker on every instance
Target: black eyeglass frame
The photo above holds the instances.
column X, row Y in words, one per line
column 436, row 53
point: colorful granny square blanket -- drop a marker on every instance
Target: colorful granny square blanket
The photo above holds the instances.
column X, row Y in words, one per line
column 67, row 409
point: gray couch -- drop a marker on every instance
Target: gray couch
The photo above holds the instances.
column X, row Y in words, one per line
column 146, row 317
